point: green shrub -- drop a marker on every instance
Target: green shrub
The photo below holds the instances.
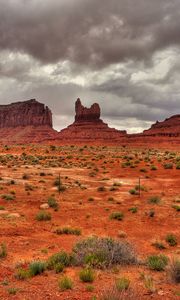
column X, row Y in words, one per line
column 171, row 239
column 13, row 291
column 52, row 202
column 59, row 185
column 149, row 283
column 154, row 200
column 142, row 188
column 3, row 250
column 52, row 147
column 174, row 270
column 133, row 209
column 133, row 192
column 90, row 199
column 68, row 230
column 59, row 258
column 43, row 216
column 101, row 189
column 36, row 268
column 113, row 188
column 153, row 168
column 65, row 283
column 117, row 216
column 59, row 267
column 168, row 166
column 159, row 245
column 8, row 197
column 122, row 283
column 42, row 174
column 87, row 275
column 25, row 176
column 157, row 262
column 151, row 213
column 143, row 170
column 110, row 199
column 89, row 288
column 176, row 207
column 113, row 294
column 103, row 252
column 22, row 274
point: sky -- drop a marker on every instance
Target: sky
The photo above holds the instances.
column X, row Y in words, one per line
column 122, row 54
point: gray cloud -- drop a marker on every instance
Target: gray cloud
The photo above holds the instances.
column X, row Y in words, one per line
column 89, row 32
column 123, row 54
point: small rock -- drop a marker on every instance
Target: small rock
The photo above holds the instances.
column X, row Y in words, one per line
column 44, row 206
column 3, row 212
column 14, row 215
column 122, row 234
column 160, row 293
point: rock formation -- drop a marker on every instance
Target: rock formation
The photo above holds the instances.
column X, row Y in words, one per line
column 31, row 122
column 88, row 126
column 27, row 113
column 84, row 114
column 25, row 122
column 170, row 127
column 161, row 134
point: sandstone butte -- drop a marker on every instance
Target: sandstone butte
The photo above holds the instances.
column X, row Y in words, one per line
column 25, row 122
column 88, row 126
column 31, row 122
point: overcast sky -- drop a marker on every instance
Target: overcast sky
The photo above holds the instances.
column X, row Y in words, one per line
column 123, row 54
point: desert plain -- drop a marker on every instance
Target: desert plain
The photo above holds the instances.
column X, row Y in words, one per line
column 54, row 197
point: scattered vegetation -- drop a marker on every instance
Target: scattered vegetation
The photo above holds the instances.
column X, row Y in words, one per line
column 154, row 200
column 174, row 270
column 117, row 216
column 157, row 262
column 3, row 250
column 43, row 216
column 68, row 230
column 103, row 252
column 52, row 202
column 122, row 284
column 36, row 268
column 171, row 239
column 65, row 283
column 61, row 257
column 87, row 275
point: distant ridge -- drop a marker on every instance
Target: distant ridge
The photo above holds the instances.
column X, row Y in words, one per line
column 31, row 122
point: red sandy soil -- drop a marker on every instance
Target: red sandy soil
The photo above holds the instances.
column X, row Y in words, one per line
column 26, row 238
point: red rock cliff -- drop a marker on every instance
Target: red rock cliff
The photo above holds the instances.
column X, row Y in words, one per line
column 27, row 113
column 91, row 114
column 88, row 127
column 168, row 127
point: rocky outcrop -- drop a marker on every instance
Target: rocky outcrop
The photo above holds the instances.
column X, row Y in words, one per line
column 27, row 113
column 26, row 122
column 84, row 114
column 170, row 127
column 88, row 127
column 31, row 122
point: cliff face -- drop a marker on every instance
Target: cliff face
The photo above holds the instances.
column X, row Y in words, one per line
column 169, row 127
column 27, row 113
column 26, row 122
column 31, row 121
column 88, row 127
column 84, row 114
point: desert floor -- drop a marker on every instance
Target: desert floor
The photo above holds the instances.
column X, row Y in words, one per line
column 98, row 181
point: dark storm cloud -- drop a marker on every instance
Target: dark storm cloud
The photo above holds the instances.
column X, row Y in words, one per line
column 123, row 54
column 89, row 32
column 138, row 100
